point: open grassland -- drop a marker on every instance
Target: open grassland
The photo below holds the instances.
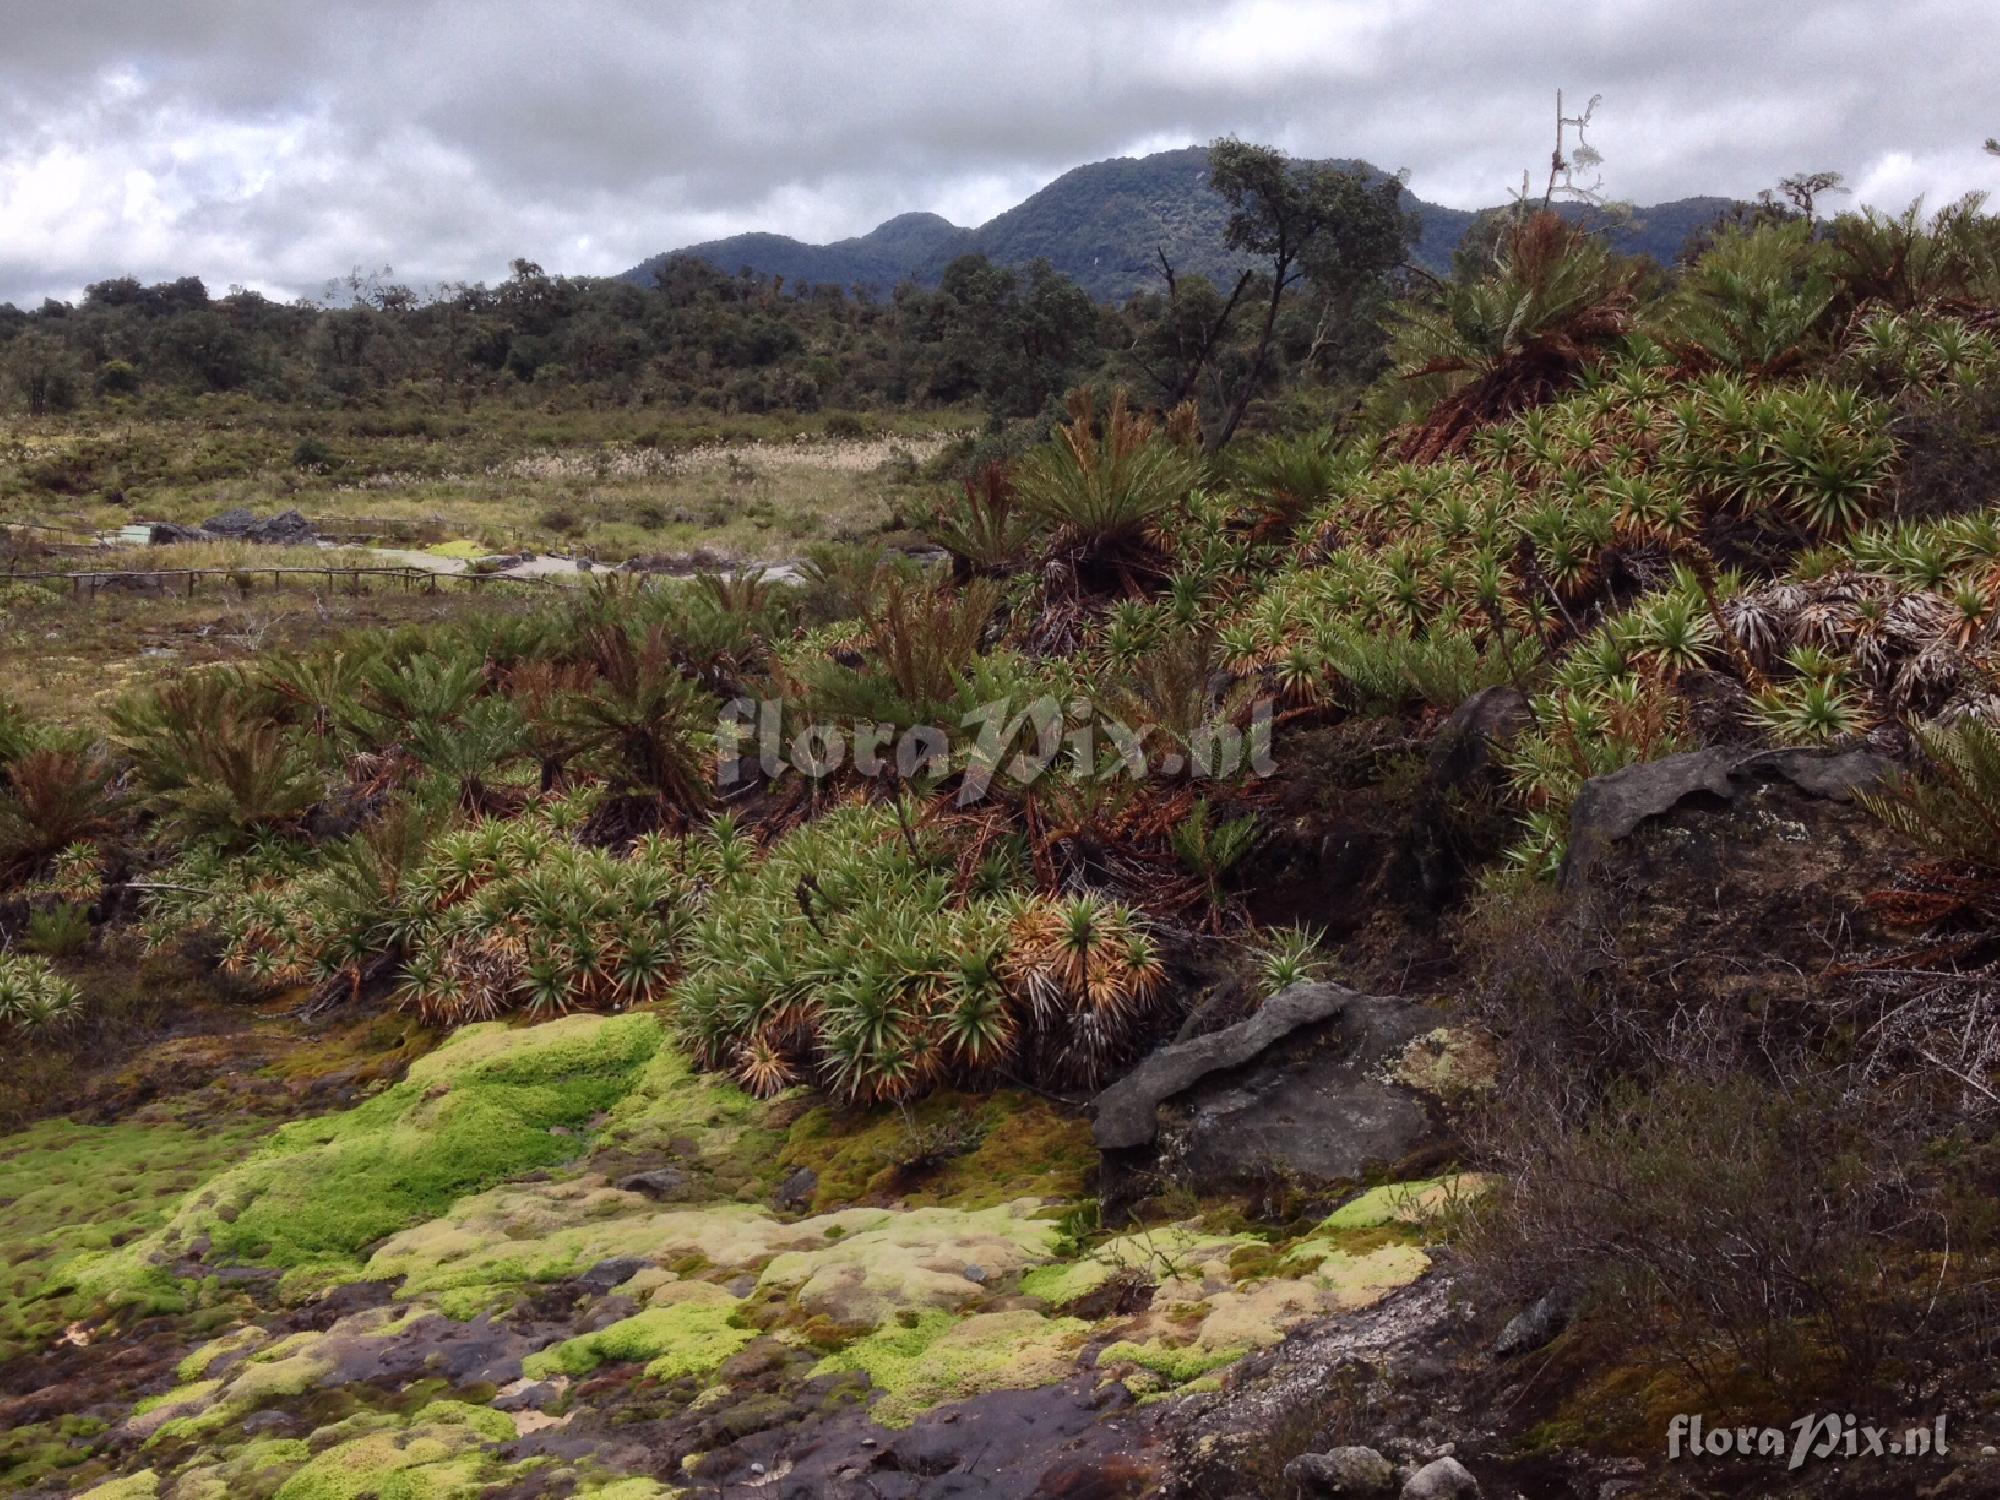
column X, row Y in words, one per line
column 67, row 658
column 608, row 485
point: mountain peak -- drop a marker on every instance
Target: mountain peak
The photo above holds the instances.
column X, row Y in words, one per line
column 1105, row 225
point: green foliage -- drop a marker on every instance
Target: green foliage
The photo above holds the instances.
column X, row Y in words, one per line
column 1106, row 488
column 1557, row 302
column 33, row 997
column 58, row 931
column 845, row 956
column 75, row 1190
column 687, row 1338
column 1287, row 478
column 983, row 529
column 926, row 638
column 644, row 724
column 1756, row 300
column 488, row 1105
column 1908, row 261
column 1288, row 956
column 209, row 765
column 1951, row 808
column 1212, row 849
column 52, row 797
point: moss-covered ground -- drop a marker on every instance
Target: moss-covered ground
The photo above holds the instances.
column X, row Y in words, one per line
column 414, row 1296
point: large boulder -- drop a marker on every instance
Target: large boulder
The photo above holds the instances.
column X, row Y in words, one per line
column 1443, row 1479
column 1312, row 1091
column 1732, row 869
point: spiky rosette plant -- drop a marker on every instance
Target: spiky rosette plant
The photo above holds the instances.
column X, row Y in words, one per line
column 1555, row 306
column 33, row 997
column 1107, row 489
column 517, row 918
column 984, row 528
column 1089, row 974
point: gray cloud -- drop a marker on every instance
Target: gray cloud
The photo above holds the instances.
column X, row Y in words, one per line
column 277, row 145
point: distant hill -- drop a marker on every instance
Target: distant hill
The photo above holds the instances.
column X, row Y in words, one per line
column 1103, row 226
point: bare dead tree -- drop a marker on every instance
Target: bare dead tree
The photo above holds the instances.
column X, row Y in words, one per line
column 1565, row 161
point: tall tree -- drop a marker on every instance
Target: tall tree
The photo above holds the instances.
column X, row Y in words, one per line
column 1339, row 228
column 1805, row 189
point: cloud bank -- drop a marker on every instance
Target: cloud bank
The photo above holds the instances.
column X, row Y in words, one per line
column 276, row 146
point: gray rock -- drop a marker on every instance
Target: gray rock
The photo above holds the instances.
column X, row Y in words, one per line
column 1534, row 1326
column 1446, row 1479
column 1610, row 809
column 662, row 1184
column 166, row 534
column 287, row 528
column 1294, row 1091
column 528, row 1398
column 607, row 1274
column 1342, row 1472
column 795, row 1193
column 231, row 522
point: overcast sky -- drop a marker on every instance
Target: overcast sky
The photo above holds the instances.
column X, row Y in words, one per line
column 277, row 143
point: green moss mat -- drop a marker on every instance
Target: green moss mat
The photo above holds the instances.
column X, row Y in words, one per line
column 67, row 1191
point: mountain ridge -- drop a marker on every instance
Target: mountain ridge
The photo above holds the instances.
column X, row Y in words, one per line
column 1104, row 224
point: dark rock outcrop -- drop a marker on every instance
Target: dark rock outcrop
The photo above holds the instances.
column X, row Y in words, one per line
column 1300, row 1092
column 795, row 1194
column 1724, row 874
column 1429, row 866
column 662, row 1185
column 1610, row 809
column 287, row 528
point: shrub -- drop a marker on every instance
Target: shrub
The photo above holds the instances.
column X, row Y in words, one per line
column 644, row 725
column 1952, row 809
column 33, row 997
column 985, row 530
column 1727, row 1224
column 1285, row 479
column 60, row 931
column 1554, row 307
column 117, row 377
column 51, row 798
column 209, row 765
column 1755, row 302
column 844, row 957
column 312, row 454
